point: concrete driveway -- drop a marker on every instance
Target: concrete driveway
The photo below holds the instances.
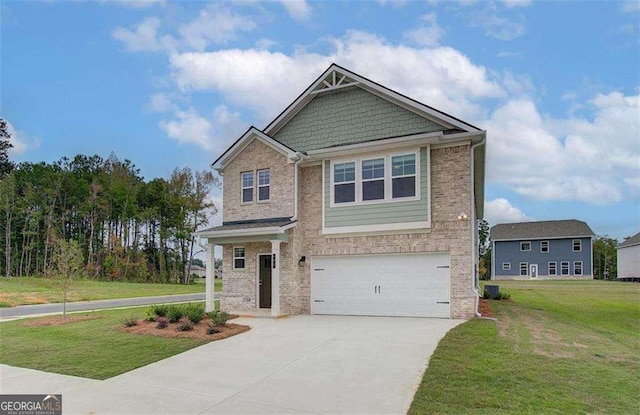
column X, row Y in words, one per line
column 301, row 364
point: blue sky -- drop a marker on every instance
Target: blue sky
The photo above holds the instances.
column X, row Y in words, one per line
column 170, row 84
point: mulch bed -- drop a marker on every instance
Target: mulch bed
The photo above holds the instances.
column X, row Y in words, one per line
column 58, row 320
column 484, row 307
column 148, row 328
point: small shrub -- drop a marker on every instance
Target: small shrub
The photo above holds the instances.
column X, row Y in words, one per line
column 504, row 295
column 184, row 325
column 486, row 295
column 218, row 318
column 211, row 329
column 175, row 313
column 151, row 316
column 129, row 321
column 160, row 310
column 194, row 312
column 162, row 322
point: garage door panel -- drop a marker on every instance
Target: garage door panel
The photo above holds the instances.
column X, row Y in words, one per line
column 409, row 285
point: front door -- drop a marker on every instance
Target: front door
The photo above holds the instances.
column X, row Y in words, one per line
column 533, row 270
column 265, row 281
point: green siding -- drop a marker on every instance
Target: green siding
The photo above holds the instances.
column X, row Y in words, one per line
column 347, row 116
column 380, row 213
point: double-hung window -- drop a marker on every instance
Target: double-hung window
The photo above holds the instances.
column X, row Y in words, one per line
column 239, row 257
column 577, row 245
column 564, row 268
column 524, row 269
column 344, row 179
column 403, row 173
column 247, row 187
column 544, row 246
column 553, row 268
column 577, row 268
column 506, row 266
column 264, row 185
column 525, row 246
column 373, row 179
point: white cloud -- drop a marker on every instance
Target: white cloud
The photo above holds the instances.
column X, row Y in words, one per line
column 144, row 37
column 161, row 102
column 209, row 133
column 499, row 27
column 428, row 34
column 19, row 141
column 631, row 6
column 516, row 3
column 298, row 9
column 573, row 159
column 500, row 210
column 216, row 24
column 267, row 81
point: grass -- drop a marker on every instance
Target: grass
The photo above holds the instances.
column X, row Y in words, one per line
column 91, row 348
column 558, row 347
column 28, row 290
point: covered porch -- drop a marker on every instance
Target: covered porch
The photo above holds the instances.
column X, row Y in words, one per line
column 251, row 265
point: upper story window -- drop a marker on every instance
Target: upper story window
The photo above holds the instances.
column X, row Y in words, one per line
column 525, row 246
column 239, row 257
column 344, row 179
column 404, row 175
column 264, row 185
column 247, row 187
column 377, row 179
column 577, row 245
column 544, row 246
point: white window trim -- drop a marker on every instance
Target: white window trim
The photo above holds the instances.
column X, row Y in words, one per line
column 258, row 186
column 548, row 247
column 573, row 249
column 387, row 178
column 526, row 264
column 242, row 187
column 506, row 266
column 555, row 270
column 581, row 268
column 568, row 268
column 525, row 242
column 235, row 257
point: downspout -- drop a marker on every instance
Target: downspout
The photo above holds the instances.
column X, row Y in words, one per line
column 474, row 228
column 295, row 185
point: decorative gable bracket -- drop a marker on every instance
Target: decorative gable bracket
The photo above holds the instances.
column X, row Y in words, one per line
column 334, row 80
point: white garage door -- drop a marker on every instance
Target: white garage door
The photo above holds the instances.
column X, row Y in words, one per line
column 415, row 285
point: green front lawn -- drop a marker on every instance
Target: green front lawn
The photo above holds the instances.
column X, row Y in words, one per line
column 558, row 347
column 27, row 290
column 91, row 348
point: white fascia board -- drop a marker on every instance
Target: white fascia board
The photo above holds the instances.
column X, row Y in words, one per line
column 245, row 140
column 409, row 140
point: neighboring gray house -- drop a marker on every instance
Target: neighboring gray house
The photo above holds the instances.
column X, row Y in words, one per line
column 557, row 249
column 629, row 259
column 196, row 270
column 354, row 200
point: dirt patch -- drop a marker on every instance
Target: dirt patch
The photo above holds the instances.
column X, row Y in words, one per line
column 484, row 307
column 148, row 328
column 58, row 320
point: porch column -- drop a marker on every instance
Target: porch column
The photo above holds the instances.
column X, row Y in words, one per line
column 210, row 280
column 275, row 278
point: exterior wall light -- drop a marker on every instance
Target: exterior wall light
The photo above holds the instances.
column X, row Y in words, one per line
column 302, row 261
column 462, row 216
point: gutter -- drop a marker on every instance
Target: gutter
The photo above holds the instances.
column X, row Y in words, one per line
column 296, row 167
column 474, row 227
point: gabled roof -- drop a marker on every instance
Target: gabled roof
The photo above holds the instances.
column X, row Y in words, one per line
column 551, row 229
column 337, row 77
column 251, row 134
column 634, row 240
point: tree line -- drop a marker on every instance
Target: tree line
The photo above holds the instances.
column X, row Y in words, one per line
column 128, row 228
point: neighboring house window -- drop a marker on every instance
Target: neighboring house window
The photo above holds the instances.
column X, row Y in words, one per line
column 238, row 257
column 247, row 187
column 403, row 172
column 344, row 182
column 264, row 185
column 506, row 266
column 525, row 246
column 577, row 268
column 373, row 179
column 544, row 246
column 577, row 245
column 553, row 268
column 524, row 268
column 564, row 268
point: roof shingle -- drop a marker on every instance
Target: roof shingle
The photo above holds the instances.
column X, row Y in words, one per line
column 569, row 228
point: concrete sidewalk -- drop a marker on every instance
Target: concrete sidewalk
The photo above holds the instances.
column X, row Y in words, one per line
column 55, row 308
column 301, row 364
